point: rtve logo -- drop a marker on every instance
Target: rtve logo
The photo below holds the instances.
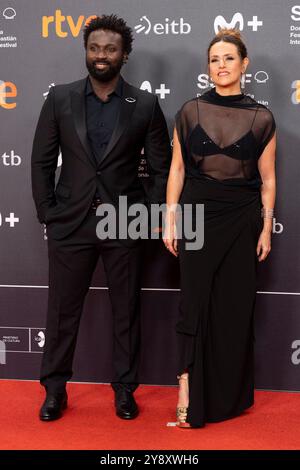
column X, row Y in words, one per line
column 8, row 90
column 57, row 21
column 296, row 93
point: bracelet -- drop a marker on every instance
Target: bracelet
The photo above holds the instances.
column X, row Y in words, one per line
column 267, row 213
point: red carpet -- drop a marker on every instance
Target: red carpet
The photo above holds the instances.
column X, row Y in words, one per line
column 90, row 422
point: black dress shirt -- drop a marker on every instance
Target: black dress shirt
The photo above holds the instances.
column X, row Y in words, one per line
column 101, row 118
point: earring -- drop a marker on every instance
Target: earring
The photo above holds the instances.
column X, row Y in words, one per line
column 243, row 80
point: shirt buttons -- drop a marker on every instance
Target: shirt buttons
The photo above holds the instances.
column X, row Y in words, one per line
column 98, row 172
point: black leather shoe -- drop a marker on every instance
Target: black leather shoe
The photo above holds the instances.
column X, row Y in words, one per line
column 126, row 407
column 53, row 406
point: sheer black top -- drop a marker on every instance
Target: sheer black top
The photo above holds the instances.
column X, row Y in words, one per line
column 222, row 137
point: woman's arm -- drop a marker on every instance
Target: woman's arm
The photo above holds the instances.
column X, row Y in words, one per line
column 266, row 167
column 174, row 189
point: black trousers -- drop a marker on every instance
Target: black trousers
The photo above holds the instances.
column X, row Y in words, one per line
column 72, row 262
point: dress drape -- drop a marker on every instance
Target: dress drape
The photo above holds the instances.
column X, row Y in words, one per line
column 221, row 139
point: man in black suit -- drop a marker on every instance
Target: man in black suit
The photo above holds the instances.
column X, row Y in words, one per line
column 101, row 124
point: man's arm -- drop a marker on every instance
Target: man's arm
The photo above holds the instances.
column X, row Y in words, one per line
column 44, row 158
column 157, row 151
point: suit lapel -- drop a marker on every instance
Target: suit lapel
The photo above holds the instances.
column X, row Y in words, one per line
column 79, row 118
column 128, row 103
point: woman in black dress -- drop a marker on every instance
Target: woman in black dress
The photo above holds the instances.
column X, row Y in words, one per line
column 224, row 158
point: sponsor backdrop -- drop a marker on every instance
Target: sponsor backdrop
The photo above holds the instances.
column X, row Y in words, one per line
column 41, row 46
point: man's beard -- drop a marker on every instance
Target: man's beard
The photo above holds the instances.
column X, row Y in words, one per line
column 104, row 75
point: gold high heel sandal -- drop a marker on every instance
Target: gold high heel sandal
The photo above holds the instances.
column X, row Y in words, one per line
column 181, row 411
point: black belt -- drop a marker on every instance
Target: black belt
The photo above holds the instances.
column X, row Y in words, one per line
column 95, row 203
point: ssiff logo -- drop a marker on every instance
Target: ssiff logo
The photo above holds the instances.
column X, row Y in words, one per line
column 9, row 13
column 8, row 90
column 59, row 20
column 260, row 77
column 296, row 93
column 295, row 13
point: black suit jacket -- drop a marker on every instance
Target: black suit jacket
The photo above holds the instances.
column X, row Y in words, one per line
column 62, row 125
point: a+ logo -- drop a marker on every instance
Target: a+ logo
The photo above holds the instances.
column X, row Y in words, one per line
column 162, row 91
column 12, row 219
column 255, row 23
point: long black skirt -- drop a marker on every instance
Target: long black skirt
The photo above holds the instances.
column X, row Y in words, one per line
column 218, row 289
